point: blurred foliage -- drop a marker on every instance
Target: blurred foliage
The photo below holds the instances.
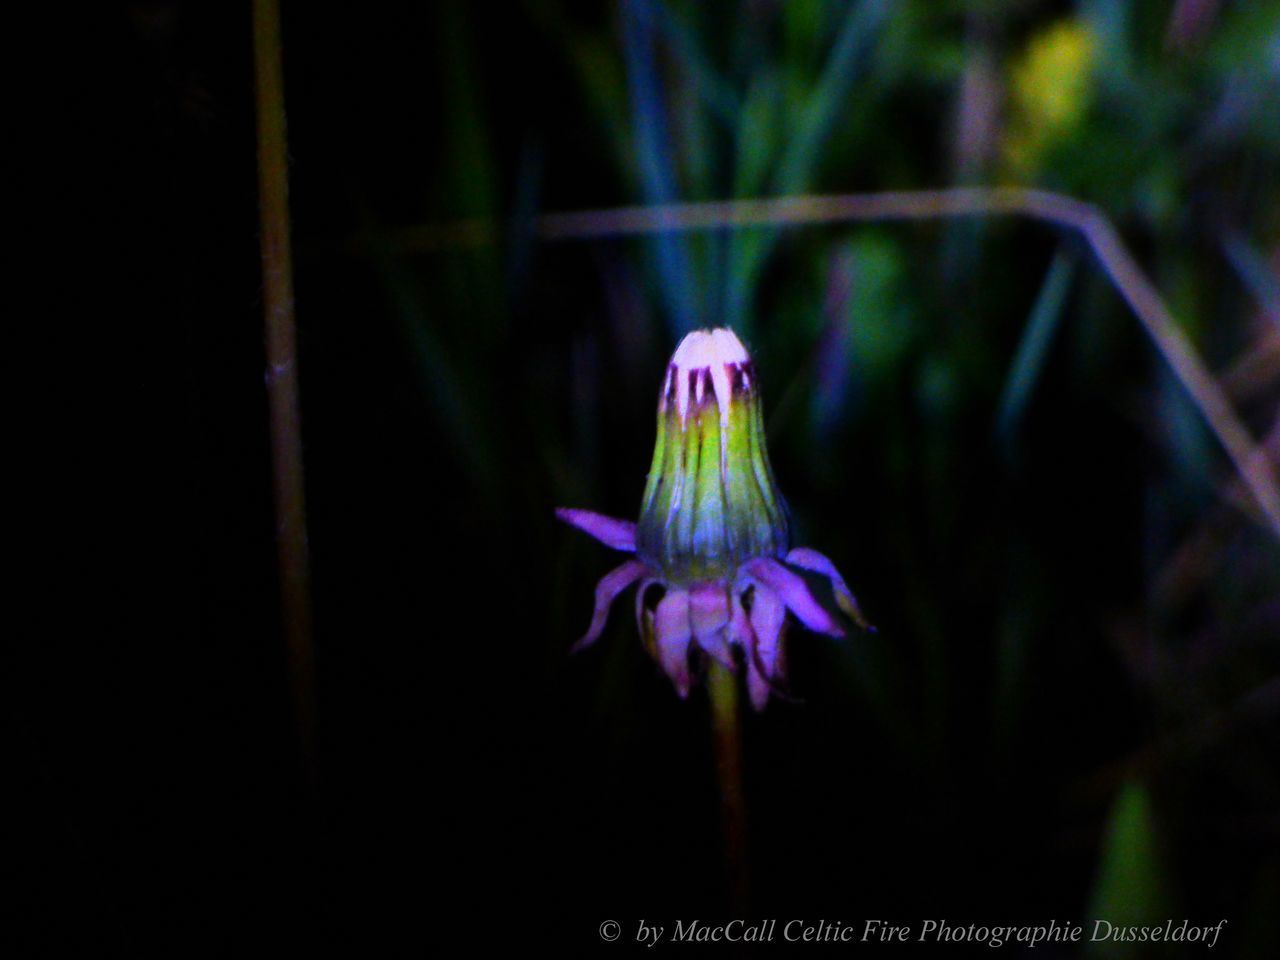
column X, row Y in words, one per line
column 1072, row 595
column 1051, row 86
column 1130, row 889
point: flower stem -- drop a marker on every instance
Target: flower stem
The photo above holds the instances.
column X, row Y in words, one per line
column 726, row 733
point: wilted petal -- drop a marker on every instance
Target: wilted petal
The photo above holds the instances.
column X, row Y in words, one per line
column 709, row 618
column 813, row 560
column 610, row 585
column 671, row 624
column 618, row 534
column 794, row 592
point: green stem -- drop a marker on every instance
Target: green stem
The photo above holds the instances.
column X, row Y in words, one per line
column 726, row 733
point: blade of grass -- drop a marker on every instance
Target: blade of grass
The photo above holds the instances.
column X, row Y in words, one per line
column 471, row 175
column 1255, row 273
column 1037, row 337
column 714, row 90
column 447, row 379
column 1130, row 888
column 800, row 159
column 653, row 152
column 857, row 33
column 597, row 74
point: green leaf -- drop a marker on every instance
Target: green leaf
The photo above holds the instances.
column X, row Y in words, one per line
column 1130, row 888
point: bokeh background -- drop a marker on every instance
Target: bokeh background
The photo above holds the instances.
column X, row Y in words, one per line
column 1070, row 709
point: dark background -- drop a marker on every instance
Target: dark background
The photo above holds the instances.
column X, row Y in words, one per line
column 1070, row 708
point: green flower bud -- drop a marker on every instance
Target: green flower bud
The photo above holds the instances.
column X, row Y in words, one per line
column 710, row 503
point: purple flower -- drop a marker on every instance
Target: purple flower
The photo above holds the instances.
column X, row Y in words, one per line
column 712, row 552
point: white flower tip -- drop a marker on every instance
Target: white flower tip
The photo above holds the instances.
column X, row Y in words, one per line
column 707, row 353
column 704, row 348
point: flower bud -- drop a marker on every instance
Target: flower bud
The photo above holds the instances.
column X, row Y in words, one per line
column 713, row 532
column 710, row 502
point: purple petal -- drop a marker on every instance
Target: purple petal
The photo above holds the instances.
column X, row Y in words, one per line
column 794, row 592
column 618, row 534
column 709, row 618
column 813, row 560
column 760, row 636
column 610, row 585
column 767, row 617
column 671, row 624
column 757, row 686
column 763, row 660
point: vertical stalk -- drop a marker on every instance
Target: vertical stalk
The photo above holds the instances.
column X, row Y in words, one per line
column 281, row 376
column 726, row 734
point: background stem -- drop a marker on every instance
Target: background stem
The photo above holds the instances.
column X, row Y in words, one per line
column 281, row 374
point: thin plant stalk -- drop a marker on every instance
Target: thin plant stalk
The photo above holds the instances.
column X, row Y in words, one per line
column 726, row 735
column 281, row 374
